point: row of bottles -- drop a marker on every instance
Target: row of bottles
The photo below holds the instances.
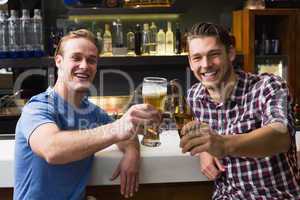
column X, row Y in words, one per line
column 21, row 36
column 143, row 40
column 267, row 43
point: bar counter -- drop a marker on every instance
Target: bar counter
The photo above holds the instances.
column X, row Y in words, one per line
column 164, row 171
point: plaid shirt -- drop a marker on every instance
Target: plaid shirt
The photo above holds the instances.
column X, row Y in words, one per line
column 256, row 100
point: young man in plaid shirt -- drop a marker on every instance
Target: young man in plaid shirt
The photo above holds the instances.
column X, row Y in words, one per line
column 244, row 133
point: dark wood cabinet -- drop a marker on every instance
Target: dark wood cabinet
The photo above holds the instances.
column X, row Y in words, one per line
column 252, row 28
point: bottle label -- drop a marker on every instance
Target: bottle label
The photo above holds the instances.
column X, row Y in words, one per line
column 107, row 45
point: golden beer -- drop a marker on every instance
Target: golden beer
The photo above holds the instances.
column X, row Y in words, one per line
column 182, row 119
column 154, row 92
column 158, row 101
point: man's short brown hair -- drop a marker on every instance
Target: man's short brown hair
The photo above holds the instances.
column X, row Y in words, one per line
column 214, row 30
column 80, row 33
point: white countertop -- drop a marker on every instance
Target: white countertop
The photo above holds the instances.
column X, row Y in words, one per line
column 164, row 164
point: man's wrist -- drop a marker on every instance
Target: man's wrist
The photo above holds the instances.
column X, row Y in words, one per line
column 133, row 148
column 228, row 144
column 108, row 131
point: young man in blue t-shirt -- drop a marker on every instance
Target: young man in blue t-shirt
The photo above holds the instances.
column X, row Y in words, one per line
column 60, row 130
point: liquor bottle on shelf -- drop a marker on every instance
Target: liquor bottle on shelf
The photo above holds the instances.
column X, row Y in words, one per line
column 94, row 27
column 177, row 39
column 146, row 40
column 161, row 42
column 107, row 42
column 3, row 35
column 100, row 41
column 130, row 42
column 14, row 30
column 138, row 40
column 264, row 48
column 26, row 34
column 118, row 34
column 153, row 33
column 118, row 39
column 184, row 38
column 38, row 39
column 169, row 40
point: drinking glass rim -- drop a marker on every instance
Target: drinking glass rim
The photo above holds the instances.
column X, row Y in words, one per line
column 154, row 79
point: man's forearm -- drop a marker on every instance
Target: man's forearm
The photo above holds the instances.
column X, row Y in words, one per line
column 68, row 146
column 262, row 142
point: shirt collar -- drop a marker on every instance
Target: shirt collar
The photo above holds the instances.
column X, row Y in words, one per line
column 236, row 95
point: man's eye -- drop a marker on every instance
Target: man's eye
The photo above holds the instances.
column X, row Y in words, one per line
column 92, row 61
column 196, row 58
column 76, row 58
column 213, row 55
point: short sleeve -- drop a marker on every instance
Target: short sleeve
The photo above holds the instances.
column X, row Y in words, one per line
column 35, row 114
column 104, row 118
column 277, row 103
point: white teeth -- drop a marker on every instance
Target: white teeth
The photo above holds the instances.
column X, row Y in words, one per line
column 210, row 73
column 82, row 76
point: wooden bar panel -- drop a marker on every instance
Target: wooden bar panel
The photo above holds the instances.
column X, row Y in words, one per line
column 170, row 191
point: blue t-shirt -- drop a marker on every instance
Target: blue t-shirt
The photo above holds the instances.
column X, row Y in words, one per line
column 35, row 179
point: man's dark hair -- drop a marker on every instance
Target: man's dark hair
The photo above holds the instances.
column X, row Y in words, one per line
column 214, row 30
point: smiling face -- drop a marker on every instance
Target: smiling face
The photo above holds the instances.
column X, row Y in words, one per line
column 210, row 62
column 77, row 65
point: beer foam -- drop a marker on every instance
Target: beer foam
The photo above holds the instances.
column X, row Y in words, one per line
column 153, row 90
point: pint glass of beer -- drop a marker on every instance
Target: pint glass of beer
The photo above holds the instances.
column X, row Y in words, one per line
column 154, row 92
column 181, row 111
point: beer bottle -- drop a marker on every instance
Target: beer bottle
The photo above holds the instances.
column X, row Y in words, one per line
column 182, row 113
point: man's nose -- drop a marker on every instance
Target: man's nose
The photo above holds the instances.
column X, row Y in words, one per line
column 204, row 62
column 83, row 64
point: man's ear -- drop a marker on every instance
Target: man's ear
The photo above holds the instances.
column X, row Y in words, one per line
column 58, row 60
column 190, row 63
column 231, row 53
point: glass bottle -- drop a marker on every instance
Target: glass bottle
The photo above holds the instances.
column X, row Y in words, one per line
column 146, row 40
column 26, row 34
column 3, row 35
column 100, row 41
column 118, row 40
column 107, row 41
column 130, row 42
column 138, row 40
column 169, row 40
column 184, row 41
column 38, row 39
column 177, row 39
column 14, row 30
column 153, row 33
column 161, row 42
